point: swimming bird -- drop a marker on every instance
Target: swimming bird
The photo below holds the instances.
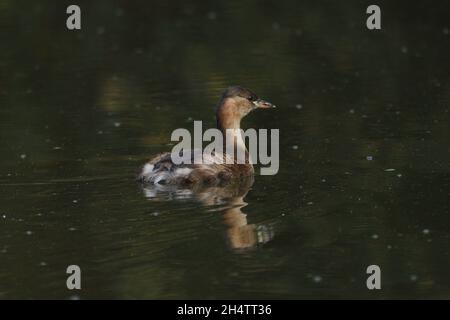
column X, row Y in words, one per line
column 236, row 102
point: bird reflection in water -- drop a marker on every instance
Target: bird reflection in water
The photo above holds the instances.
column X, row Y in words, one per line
column 228, row 199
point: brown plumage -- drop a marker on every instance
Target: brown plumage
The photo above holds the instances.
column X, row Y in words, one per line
column 235, row 103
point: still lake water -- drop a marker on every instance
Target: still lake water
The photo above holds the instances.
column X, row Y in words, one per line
column 364, row 150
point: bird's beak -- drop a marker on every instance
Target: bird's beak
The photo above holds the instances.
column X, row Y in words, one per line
column 263, row 104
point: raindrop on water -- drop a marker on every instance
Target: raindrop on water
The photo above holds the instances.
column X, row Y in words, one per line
column 317, row 279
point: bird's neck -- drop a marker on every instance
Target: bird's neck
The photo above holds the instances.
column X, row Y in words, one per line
column 229, row 123
column 227, row 116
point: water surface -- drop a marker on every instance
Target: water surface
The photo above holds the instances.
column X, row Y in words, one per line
column 364, row 150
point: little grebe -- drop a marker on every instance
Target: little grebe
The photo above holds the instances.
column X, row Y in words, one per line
column 235, row 104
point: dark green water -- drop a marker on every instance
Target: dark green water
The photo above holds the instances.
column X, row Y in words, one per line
column 364, row 149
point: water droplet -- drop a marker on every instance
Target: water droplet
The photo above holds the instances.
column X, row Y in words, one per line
column 369, row 158
column 100, row 30
column 317, row 279
column 23, row 156
column 426, row 231
column 299, row 106
column 375, row 236
column 212, row 15
column 119, row 12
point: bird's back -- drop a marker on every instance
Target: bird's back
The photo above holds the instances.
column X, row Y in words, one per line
column 162, row 170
